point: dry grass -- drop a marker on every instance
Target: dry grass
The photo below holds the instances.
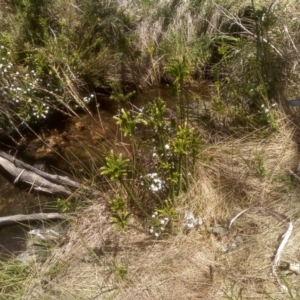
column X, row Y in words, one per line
column 97, row 262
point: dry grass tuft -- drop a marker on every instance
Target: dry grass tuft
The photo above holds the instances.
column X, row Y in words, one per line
column 97, row 262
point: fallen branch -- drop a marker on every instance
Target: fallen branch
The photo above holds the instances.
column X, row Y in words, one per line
column 37, row 182
column 10, row 220
column 55, row 178
column 40, row 180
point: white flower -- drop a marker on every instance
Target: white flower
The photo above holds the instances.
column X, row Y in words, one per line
column 262, row 105
column 274, row 104
column 162, row 222
column 167, row 147
column 156, row 234
column 190, row 225
column 151, row 230
column 154, row 155
column 266, row 110
column 152, row 175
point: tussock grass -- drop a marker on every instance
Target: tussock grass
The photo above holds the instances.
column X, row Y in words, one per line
column 96, row 261
column 137, row 42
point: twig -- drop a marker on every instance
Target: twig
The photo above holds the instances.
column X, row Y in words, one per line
column 10, row 220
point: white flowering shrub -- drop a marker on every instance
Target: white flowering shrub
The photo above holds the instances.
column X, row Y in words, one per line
column 152, row 180
column 22, row 95
column 30, row 94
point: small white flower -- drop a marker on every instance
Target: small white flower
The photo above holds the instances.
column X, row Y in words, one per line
column 266, row 110
column 262, row 105
column 274, row 104
column 167, row 147
column 162, row 228
column 156, row 234
column 151, row 230
column 162, row 222
column 2, row 47
column 8, row 52
column 190, row 225
column 154, row 155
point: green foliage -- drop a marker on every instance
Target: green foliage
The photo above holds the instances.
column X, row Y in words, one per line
column 14, row 275
column 128, row 123
column 66, row 205
column 119, row 216
column 179, row 72
column 186, row 141
column 259, row 161
column 175, row 150
column 121, row 271
column 116, row 167
column 117, row 93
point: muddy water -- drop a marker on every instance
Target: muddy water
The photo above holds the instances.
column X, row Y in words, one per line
column 67, row 146
column 17, row 200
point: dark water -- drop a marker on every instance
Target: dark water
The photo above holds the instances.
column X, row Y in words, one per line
column 76, row 144
column 17, row 200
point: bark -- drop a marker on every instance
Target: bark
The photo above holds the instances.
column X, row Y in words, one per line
column 10, row 220
column 40, row 180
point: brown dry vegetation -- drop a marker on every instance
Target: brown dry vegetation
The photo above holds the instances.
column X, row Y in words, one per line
column 98, row 262
column 94, row 260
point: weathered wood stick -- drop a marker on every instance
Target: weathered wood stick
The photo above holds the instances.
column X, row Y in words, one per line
column 10, row 220
column 37, row 182
column 55, row 178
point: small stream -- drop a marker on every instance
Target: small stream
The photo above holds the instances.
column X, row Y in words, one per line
column 62, row 147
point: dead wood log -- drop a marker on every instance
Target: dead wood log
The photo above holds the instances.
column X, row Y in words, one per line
column 37, row 182
column 55, row 178
column 40, row 180
column 9, row 220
